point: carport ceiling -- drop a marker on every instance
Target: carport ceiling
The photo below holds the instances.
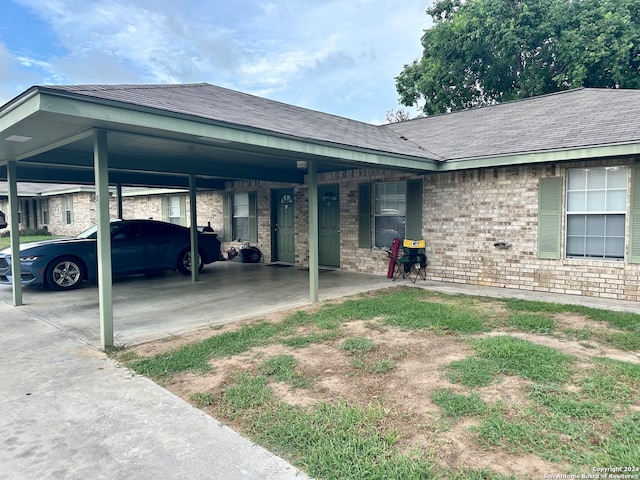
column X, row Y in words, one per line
column 158, row 135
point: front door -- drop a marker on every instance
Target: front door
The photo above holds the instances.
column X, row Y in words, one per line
column 283, row 226
column 329, row 225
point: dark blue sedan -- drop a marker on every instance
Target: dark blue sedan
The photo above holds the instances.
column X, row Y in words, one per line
column 137, row 246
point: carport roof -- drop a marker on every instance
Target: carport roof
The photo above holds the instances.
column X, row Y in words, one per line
column 160, row 134
column 247, row 112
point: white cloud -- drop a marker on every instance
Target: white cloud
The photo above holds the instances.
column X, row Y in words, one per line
column 14, row 77
column 330, row 55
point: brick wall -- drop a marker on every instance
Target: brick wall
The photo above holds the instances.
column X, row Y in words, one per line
column 465, row 213
column 142, row 206
column 83, row 213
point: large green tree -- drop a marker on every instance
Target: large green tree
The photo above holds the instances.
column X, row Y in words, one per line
column 485, row 51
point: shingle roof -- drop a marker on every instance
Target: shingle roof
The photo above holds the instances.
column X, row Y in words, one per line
column 571, row 119
column 565, row 120
column 249, row 111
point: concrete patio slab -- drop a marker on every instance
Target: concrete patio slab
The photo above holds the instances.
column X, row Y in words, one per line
column 153, row 307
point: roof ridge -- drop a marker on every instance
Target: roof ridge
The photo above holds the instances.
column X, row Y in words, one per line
column 149, row 86
column 508, row 102
column 122, row 86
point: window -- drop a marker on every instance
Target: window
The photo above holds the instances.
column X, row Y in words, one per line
column 390, row 204
column 240, row 223
column 67, row 210
column 175, row 210
column 393, row 209
column 239, row 211
column 44, row 211
column 596, row 212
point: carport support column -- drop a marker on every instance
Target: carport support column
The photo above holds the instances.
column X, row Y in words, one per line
column 194, row 229
column 105, row 283
column 119, row 200
column 15, row 233
column 312, row 177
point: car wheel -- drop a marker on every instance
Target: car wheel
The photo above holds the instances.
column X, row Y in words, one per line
column 64, row 273
column 184, row 262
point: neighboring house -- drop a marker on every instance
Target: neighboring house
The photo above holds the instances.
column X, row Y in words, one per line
column 539, row 194
column 70, row 209
column 64, row 208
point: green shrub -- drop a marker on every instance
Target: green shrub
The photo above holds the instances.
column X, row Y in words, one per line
column 29, row 232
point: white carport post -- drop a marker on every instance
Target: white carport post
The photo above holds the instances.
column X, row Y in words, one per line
column 15, row 233
column 312, row 177
column 105, row 281
column 194, row 229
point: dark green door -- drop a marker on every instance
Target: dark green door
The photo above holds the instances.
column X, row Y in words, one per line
column 283, row 225
column 329, row 225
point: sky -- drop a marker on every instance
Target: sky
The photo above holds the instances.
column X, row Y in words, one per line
column 335, row 56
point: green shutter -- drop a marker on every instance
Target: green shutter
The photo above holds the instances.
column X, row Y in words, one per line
column 634, row 219
column 549, row 217
column 164, row 206
column 413, row 226
column 253, row 217
column 226, row 217
column 364, row 215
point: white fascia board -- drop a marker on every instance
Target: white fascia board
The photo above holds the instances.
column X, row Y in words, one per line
column 153, row 191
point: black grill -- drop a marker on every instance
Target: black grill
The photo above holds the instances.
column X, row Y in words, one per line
column 3, row 263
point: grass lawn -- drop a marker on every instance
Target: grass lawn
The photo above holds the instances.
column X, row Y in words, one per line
column 410, row 384
column 6, row 241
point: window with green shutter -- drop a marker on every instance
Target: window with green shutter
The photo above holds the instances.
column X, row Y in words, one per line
column 397, row 212
column 239, row 212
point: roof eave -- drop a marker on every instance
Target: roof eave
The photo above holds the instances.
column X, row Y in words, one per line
column 561, row 155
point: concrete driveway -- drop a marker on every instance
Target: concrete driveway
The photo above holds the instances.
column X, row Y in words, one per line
column 152, row 307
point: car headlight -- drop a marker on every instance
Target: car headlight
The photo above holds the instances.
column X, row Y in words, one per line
column 31, row 258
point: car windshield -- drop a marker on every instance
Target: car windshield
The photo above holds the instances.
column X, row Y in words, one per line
column 89, row 232
column 92, row 232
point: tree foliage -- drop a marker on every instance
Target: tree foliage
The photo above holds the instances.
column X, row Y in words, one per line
column 485, row 51
column 395, row 116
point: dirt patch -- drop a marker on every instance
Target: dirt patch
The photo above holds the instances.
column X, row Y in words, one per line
column 457, row 446
column 405, row 391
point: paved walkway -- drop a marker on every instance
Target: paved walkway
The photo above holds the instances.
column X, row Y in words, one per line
column 70, row 412
column 593, row 302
